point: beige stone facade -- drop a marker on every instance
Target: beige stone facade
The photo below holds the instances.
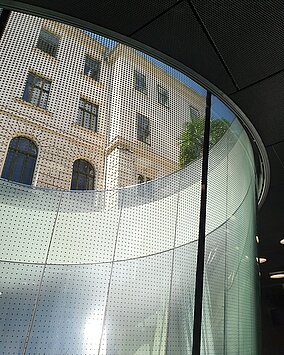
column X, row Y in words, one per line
column 114, row 151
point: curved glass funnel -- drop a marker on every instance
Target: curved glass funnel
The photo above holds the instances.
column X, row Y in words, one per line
column 112, row 269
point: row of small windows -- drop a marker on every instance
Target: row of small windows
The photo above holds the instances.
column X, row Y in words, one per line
column 49, row 43
column 37, row 90
column 141, row 85
column 20, row 164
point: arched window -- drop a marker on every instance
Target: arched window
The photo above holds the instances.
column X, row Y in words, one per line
column 20, row 161
column 83, row 176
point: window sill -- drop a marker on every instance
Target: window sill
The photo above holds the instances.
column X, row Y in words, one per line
column 74, row 124
column 46, row 55
column 141, row 92
column 91, row 80
column 163, row 105
column 34, row 107
column 144, row 143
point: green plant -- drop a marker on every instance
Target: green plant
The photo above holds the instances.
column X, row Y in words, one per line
column 191, row 139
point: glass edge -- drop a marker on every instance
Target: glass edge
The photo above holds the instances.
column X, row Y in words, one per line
column 255, row 138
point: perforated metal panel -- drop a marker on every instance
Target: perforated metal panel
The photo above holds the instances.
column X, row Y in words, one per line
column 112, row 270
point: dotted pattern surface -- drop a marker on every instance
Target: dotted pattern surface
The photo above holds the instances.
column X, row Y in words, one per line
column 112, row 271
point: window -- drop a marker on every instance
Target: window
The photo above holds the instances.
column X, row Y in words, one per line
column 83, row 175
column 88, row 115
column 140, row 82
column 141, row 179
column 143, row 129
column 92, row 68
column 194, row 113
column 4, row 17
column 20, row 161
column 37, row 90
column 163, row 96
column 48, row 43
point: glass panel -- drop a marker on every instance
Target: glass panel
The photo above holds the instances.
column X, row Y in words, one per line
column 32, row 213
column 72, row 299
column 19, row 285
column 113, row 271
column 138, row 306
column 27, row 175
column 229, row 308
column 180, row 328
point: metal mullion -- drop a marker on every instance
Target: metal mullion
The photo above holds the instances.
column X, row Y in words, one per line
column 199, row 281
column 96, row 120
column 40, row 95
column 83, row 117
column 91, row 118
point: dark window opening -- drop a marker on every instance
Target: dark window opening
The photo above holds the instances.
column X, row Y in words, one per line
column 20, row 161
column 48, row 43
column 143, row 129
column 83, row 176
column 92, row 68
column 37, row 90
column 140, row 82
column 163, row 96
column 88, row 115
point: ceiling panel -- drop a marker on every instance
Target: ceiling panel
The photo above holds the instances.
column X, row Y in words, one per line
column 276, row 155
column 178, row 34
column 122, row 16
column 248, row 34
column 263, row 103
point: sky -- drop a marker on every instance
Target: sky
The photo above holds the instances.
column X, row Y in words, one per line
column 218, row 108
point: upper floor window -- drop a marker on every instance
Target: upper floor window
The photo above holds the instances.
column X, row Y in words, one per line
column 140, row 82
column 143, row 129
column 83, row 175
column 88, row 115
column 194, row 113
column 92, row 68
column 48, row 43
column 163, row 96
column 20, row 160
column 37, row 90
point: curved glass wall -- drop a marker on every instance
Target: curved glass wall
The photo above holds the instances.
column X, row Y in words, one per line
column 113, row 270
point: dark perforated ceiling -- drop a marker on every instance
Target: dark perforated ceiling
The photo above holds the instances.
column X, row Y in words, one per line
column 237, row 45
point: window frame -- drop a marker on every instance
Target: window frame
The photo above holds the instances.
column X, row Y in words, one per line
column 96, row 67
column 162, row 92
column 141, row 137
column 28, row 158
column 46, row 45
column 31, row 87
column 137, row 82
column 76, row 173
column 84, row 111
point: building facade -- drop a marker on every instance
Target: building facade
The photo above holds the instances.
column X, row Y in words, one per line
column 79, row 111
